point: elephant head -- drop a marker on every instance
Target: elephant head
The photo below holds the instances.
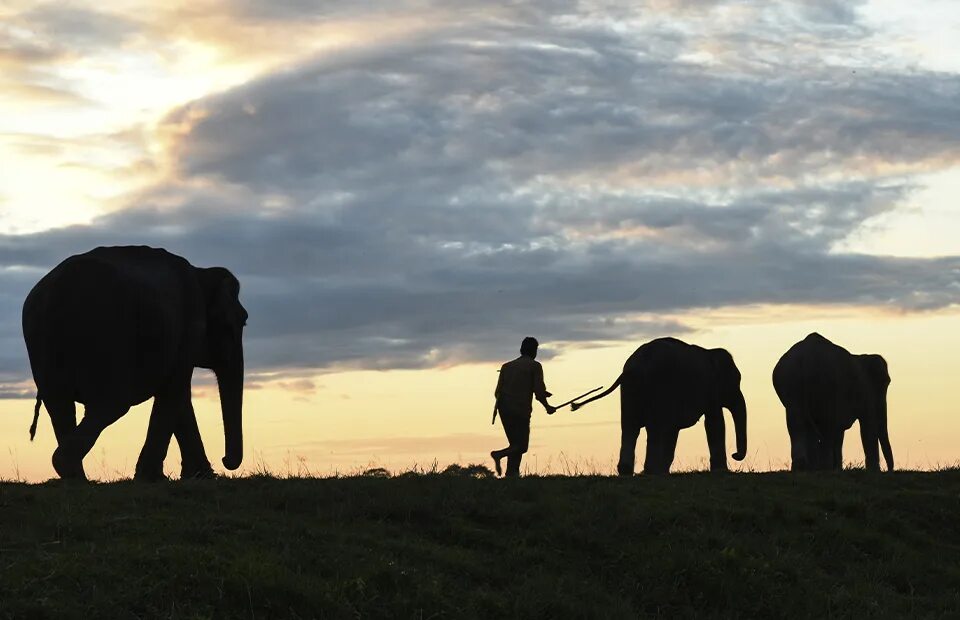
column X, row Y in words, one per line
column 728, row 385
column 221, row 350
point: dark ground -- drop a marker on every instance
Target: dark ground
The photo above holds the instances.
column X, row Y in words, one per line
column 452, row 545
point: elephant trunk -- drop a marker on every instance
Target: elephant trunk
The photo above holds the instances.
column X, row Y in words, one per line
column 884, row 436
column 739, row 411
column 230, row 383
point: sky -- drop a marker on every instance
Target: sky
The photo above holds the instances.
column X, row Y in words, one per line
column 406, row 189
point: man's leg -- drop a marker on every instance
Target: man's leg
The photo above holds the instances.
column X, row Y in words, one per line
column 499, row 455
column 508, row 422
column 519, row 436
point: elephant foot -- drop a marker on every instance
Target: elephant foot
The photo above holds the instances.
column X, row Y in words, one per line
column 201, row 472
column 656, row 471
column 67, row 468
column 152, row 474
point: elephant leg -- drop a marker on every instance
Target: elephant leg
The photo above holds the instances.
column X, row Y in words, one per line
column 836, row 449
column 871, row 445
column 799, row 456
column 68, row 457
column 63, row 416
column 193, row 457
column 669, row 448
column 630, row 427
column 661, row 446
column 154, row 451
column 173, row 414
column 813, row 444
column 716, row 440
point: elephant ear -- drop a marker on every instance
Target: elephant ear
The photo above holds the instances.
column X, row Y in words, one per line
column 876, row 368
column 222, row 294
column 723, row 362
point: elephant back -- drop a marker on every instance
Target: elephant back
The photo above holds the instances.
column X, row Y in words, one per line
column 108, row 325
column 668, row 372
column 818, row 376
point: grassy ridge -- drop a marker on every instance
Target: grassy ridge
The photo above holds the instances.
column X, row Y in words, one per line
column 767, row 545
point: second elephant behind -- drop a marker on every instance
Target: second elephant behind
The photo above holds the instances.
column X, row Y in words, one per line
column 825, row 389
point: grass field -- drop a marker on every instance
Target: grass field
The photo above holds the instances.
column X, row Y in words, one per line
column 455, row 545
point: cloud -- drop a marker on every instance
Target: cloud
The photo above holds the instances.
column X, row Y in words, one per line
column 44, row 93
column 79, row 28
column 426, row 202
column 14, row 51
column 54, row 31
column 528, row 103
column 36, row 43
column 17, row 393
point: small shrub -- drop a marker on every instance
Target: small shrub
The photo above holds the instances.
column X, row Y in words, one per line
column 468, row 471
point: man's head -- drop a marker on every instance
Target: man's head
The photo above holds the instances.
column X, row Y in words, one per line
column 529, row 347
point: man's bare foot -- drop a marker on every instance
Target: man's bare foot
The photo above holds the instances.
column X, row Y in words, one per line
column 496, row 462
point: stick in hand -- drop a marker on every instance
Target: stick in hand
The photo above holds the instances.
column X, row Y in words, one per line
column 573, row 400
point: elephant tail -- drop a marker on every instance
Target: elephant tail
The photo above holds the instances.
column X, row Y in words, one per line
column 36, row 416
column 607, row 391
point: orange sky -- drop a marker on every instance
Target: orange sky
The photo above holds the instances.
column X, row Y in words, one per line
column 402, row 419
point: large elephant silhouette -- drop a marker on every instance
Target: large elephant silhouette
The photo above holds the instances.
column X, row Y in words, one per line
column 666, row 386
column 824, row 389
column 116, row 326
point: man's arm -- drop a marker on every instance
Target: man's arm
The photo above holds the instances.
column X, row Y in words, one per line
column 540, row 389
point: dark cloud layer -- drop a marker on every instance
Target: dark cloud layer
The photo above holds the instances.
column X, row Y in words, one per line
column 429, row 202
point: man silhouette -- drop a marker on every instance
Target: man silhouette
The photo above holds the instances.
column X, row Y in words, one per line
column 520, row 380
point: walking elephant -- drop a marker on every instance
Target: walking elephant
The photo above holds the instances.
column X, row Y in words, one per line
column 116, row 326
column 666, row 386
column 824, row 389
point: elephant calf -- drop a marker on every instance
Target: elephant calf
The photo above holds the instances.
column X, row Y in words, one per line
column 668, row 385
column 116, row 326
column 824, row 389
